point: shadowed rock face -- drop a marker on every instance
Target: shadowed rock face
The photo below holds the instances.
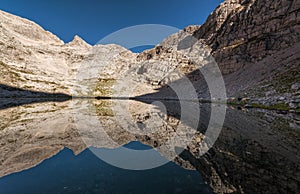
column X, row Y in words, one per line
column 254, row 148
column 242, row 32
column 256, row 44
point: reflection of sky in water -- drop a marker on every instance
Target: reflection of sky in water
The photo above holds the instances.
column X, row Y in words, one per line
column 135, row 145
column 261, row 141
column 140, row 49
column 132, row 156
column 85, row 173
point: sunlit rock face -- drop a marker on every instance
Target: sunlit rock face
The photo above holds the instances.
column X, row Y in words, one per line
column 254, row 43
column 34, row 59
column 40, row 62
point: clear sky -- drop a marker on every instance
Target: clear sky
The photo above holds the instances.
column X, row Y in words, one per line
column 94, row 19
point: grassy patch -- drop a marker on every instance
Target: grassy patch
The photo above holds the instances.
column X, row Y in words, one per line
column 104, row 87
column 103, row 108
column 279, row 106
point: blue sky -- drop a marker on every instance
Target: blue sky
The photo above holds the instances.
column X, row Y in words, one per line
column 94, row 19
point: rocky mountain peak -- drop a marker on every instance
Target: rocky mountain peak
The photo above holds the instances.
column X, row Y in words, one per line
column 24, row 31
column 243, row 32
column 79, row 42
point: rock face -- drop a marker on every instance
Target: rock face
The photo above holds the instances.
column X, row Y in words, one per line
column 36, row 60
column 242, row 32
column 256, row 45
column 32, row 58
column 249, row 39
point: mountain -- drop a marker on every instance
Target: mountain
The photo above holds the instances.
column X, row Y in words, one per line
column 35, row 60
column 255, row 43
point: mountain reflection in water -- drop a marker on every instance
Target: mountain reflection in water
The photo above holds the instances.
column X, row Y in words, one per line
column 257, row 150
column 85, row 173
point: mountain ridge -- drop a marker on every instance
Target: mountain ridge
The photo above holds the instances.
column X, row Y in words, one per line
column 47, row 64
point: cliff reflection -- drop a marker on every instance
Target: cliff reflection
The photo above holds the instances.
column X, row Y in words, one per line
column 256, row 150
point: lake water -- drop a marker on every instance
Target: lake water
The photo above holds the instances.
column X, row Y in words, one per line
column 85, row 173
column 119, row 146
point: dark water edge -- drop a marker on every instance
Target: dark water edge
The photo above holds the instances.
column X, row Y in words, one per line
column 85, row 173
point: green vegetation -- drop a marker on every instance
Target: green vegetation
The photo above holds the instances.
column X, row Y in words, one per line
column 281, row 83
column 103, row 108
column 284, row 82
column 279, row 106
column 104, row 87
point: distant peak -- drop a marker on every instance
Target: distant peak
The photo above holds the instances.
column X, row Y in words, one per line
column 78, row 41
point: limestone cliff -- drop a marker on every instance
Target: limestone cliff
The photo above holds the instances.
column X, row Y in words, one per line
column 34, row 59
column 242, row 32
column 256, row 44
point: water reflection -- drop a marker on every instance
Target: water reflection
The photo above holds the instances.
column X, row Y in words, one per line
column 256, row 151
column 85, row 173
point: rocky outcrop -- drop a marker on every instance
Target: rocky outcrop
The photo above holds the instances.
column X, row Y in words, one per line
column 256, row 45
column 32, row 58
column 242, row 32
column 47, row 65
